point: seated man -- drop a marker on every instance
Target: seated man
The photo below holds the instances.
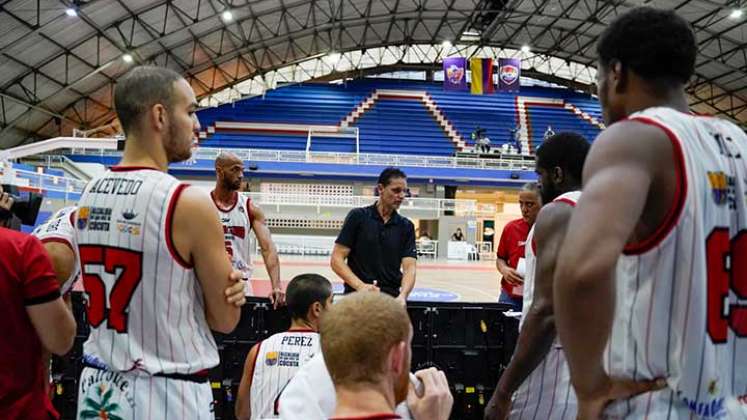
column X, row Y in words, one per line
column 366, row 346
column 273, row 362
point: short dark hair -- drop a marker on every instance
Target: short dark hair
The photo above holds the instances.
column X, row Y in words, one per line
column 658, row 45
column 386, row 176
column 303, row 291
column 566, row 150
column 142, row 88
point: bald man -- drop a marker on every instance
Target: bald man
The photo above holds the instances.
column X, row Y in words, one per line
column 239, row 216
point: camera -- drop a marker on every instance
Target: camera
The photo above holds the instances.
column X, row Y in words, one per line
column 25, row 208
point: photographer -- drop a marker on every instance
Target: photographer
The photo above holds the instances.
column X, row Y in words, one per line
column 32, row 317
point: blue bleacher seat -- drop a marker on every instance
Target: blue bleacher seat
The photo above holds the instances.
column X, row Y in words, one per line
column 393, row 125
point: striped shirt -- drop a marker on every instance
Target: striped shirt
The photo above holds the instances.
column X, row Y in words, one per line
column 145, row 307
column 681, row 306
column 278, row 359
column 59, row 228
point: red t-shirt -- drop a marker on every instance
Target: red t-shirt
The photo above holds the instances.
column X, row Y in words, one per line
column 511, row 248
column 26, row 278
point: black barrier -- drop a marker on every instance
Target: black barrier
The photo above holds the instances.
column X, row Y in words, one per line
column 470, row 342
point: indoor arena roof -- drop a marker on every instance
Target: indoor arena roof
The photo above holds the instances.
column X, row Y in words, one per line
column 60, row 59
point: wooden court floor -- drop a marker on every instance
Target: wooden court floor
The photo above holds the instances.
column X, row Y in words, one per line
column 436, row 280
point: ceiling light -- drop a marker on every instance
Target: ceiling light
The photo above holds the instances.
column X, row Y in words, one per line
column 525, row 49
column 71, row 12
column 446, row 44
column 128, row 58
column 736, row 14
column 334, row 57
column 227, row 16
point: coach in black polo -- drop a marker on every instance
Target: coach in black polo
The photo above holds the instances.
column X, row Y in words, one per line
column 378, row 243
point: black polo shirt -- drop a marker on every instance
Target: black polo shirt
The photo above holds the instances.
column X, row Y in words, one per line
column 376, row 248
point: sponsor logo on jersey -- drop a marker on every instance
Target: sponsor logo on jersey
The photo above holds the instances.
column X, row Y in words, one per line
column 711, row 409
column 106, row 393
column 288, row 359
column 83, row 217
column 719, row 188
column 94, row 218
column 271, row 358
column 126, row 225
column 129, row 214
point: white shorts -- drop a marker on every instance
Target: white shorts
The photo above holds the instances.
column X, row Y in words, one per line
column 131, row 396
column 547, row 393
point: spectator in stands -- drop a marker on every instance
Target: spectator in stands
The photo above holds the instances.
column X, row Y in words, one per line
column 510, row 254
column 516, row 137
column 366, row 342
column 33, row 317
column 457, row 235
column 378, row 243
column 548, row 133
column 264, row 378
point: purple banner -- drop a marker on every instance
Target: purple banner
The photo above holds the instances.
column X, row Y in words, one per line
column 455, row 73
column 509, row 74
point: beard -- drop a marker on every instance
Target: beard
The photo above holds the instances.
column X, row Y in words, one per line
column 177, row 150
column 548, row 192
column 231, row 185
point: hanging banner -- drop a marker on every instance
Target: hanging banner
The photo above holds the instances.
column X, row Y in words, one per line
column 509, row 74
column 482, row 75
column 455, row 73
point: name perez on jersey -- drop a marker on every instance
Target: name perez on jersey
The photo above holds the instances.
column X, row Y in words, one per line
column 297, row 341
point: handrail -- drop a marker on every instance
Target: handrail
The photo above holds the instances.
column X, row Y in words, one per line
column 373, row 159
column 57, row 143
column 108, row 147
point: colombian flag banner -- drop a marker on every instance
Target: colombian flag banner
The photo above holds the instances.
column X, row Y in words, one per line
column 482, row 75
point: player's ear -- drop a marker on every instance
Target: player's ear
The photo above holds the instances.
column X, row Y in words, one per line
column 397, row 358
column 557, row 175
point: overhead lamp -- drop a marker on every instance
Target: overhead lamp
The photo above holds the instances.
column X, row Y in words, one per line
column 128, row 58
column 736, row 14
column 70, row 11
column 227, row 16
column 525, row 49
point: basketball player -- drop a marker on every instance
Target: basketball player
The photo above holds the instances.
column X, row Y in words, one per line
column 546, row 393
column 239, row 216
column 651, row 276
column 57, row 235
column 153, row 264
column 366, row 346
column 273, row 362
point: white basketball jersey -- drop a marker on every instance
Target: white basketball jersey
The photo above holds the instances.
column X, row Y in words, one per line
column 278, row 359
column 547, row 392
column 681, row 311
column 60, row 228
column 145, row 306
column 237, row 226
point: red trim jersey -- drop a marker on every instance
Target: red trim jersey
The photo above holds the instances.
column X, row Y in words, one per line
column 547, row 392
column 237, row 226
column 681, row 306
column 278, row 359
column 60, row 228
column 145, row 306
